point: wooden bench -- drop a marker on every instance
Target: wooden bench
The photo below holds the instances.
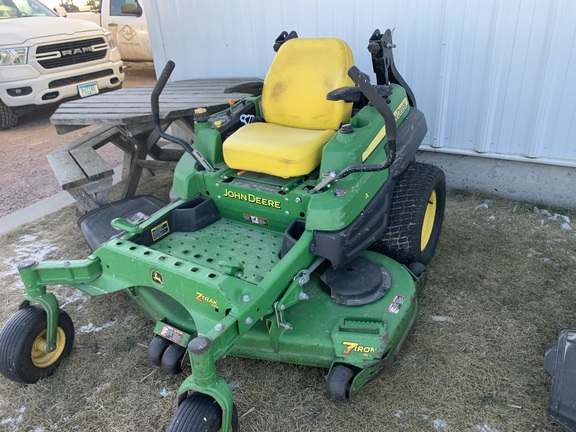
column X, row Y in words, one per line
column 82, row 172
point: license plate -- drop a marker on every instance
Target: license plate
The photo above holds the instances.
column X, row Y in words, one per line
column 88, row 89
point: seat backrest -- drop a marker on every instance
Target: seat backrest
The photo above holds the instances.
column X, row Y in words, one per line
column 300, row 77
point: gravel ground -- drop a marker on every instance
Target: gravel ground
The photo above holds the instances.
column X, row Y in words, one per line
column 25, row 173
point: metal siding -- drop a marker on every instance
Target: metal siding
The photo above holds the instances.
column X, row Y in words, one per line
column 493, row 78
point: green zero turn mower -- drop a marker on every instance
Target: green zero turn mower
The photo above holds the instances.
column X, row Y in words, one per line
column 299, row 231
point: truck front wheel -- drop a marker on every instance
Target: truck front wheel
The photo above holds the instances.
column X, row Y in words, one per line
column 7, row 119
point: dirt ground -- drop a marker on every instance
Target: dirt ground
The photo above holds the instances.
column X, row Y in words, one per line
column 25, row 175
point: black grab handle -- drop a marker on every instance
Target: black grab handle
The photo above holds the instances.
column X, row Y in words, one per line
column 154, row 101
column 160, row 84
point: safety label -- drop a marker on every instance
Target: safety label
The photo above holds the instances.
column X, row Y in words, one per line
column 255, row 220
column 396, row 304
column 160, row 230
column 172, row 334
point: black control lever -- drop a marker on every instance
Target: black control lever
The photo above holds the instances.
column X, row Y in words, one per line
column 155, row 103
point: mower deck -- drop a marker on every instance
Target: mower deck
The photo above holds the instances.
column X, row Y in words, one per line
column 358, row 335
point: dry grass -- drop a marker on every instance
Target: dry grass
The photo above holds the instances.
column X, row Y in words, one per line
column 500, row 287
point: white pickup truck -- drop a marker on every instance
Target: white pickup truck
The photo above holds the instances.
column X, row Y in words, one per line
column 125, row 19
column 45, row 58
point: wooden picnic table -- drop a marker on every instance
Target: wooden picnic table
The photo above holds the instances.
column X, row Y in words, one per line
column 125, row 120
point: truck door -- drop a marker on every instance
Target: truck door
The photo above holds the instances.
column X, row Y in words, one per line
column 126, row 20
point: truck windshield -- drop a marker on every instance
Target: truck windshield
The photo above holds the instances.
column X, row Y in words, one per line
column 22, row 9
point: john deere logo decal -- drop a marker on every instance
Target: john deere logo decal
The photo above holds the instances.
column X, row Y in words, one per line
column 252, row 199
column 157, row 277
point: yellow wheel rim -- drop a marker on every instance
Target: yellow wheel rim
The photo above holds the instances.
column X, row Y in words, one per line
column 43, row 359
column 429, row 218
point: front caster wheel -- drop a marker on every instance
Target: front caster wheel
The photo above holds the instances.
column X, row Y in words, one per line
column 23, row 357
column 172, row 359
column 156, row 349
column 200, row 413
column 339, row 382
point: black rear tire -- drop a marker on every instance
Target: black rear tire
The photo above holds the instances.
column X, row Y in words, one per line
column 416, row 215
column 200, row 413
column 22, row 342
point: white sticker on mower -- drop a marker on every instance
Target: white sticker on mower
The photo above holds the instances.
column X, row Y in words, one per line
column 255, row 220
column 172, row 334
column 396, row 304
column 247, row 118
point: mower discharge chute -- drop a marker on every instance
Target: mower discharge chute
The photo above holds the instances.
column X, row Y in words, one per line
column 300, row 231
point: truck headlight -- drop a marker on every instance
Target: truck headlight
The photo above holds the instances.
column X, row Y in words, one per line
column 13, row 56
column 110, row 40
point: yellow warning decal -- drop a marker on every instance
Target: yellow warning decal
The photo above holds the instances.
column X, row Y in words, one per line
column 160, row 231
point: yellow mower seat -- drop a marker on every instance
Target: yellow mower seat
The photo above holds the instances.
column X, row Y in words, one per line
column 299, row 119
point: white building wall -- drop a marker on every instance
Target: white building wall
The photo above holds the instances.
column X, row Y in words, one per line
column 495, row 78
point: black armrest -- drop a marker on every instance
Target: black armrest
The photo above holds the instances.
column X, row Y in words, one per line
column 253, row 88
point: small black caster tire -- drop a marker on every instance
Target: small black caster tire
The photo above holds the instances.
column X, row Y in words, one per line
column 339, row 382
column 22, row 342
column 417, row 269
column 172, row 359
column 200, row 413
column 156, row 349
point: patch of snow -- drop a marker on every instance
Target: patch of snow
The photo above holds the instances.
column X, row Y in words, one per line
column 28, row 248
column 439, row 424
column 91, row 328
column 15, row 421
column 439, row 318
column 563, row 219
column 165, row 393
column 485, row 205
column 76, row 296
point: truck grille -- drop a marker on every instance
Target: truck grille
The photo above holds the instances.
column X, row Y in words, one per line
column 80, row 78
column 67, row 53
